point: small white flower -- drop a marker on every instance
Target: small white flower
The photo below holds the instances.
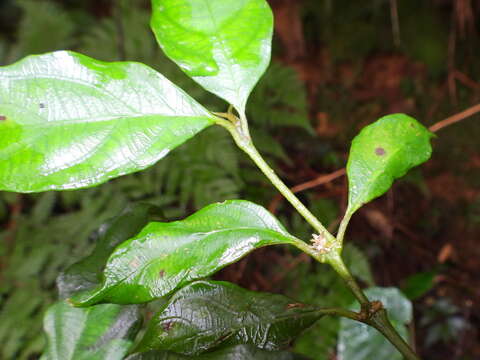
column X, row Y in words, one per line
column 320, row 244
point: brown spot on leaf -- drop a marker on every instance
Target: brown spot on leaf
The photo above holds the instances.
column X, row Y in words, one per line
column 3, row 118
column 294, row 306
column 380, row 151
column 375, row 306
column 161, row 273
column 167, row 326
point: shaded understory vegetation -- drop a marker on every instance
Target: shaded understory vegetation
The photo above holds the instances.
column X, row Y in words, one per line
column 336, row 67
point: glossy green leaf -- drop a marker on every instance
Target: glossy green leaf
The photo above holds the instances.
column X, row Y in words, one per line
column 383, row 152
column 245, row 352
column 158, row 355
column 238, row 352
column 102, row 332
column 358, row 341
column 86, row 274
column 69, row 121
column 206, row 314
column 224, row 45
column 165, row 256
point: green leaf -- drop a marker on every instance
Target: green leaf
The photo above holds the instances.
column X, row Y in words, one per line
column 419, row 284
column 358, row 341
column 86, row 274
column 383, row 152
column 238, row 352
column 207, row 314
column 102, row 332
column 69, row 121
column 158, row 355
column 245, row 352
column 224, row 45
column 320, row 341
column 165, row 256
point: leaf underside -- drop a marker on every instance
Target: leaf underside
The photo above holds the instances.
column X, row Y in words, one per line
column 101, row 332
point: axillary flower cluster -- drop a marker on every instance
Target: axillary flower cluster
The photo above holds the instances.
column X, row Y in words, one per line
column 320, row 244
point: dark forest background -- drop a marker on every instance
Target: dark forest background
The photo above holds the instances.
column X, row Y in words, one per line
column 337, row 66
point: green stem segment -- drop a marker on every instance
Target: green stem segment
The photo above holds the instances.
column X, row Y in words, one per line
column 296, row 203
column 244, row 142
column 381, row 322
column 343, row 226
column 374, row 317
column 337, row 263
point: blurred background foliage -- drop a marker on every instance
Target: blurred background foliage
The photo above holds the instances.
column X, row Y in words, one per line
column 337, row 66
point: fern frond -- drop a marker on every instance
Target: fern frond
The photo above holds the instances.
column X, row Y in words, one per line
column 44, row 27
column 279, row 100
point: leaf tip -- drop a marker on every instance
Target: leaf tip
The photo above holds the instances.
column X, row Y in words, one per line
column 84, row 298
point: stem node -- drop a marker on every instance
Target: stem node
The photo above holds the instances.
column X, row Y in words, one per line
column 325, row 247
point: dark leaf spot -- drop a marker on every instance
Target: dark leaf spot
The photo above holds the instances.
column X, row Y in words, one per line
column 3, row 118
column 41, row 106
column 223, row 337
column 293, row 306
column 161, row 273
column 167, row 326
column 380, row 151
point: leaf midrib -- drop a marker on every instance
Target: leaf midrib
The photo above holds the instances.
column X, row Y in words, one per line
column 105, row 291
column 29, row 141
column 224, row 50
column 77, row 81
column 236, row 326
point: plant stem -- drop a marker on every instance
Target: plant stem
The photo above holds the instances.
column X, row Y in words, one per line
column 245, row 143
column 370, row 313
column 381, row 322
column 374, row 317
column 279, row 184
column 343, row 226
column 337, row 263
column 244, row 125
